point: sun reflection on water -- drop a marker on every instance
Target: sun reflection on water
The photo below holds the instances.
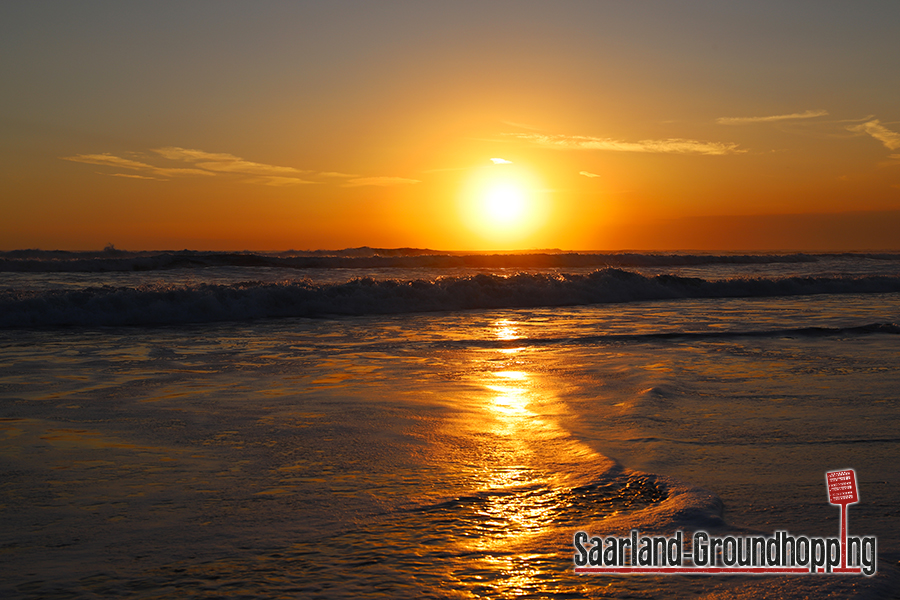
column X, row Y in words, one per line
column 504, row 329
column 520, row 495
column 520, row 466
column 510, row 400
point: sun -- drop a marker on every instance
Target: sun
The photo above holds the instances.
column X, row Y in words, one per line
column 502, row 204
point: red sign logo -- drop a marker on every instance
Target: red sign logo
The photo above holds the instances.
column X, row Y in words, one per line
column 842, row 487
column 842, row 490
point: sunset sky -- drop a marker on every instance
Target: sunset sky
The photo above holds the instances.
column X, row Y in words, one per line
column 450, row 125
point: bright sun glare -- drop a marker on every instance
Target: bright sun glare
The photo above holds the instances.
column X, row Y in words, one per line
column 501, row 203
column 504, row 204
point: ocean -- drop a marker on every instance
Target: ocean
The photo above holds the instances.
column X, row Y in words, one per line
column 412, row 424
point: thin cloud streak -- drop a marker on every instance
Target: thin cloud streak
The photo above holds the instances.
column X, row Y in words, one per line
column 176, row 171
column 211, row 164
column 187, row 155
column 890, row 139
column 202, row 163
column 588, row 174
column 110, row 161
column 337, row 174
column 670, row 146
column 380, row 181
column 810, row 114
column 276, row 181
column 223, row 163
column 131, row 176
column 248, row 168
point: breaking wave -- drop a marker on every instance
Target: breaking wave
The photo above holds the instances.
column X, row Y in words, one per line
column 113, row 260
column 157, row 304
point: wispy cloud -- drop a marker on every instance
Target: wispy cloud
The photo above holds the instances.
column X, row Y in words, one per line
column 110, row 161
column 201, row 163
column 673, row 145
column 336, row 174
column 246, row 167
column 177, row 171
column 501, row 161
column 277, row 181
column 380, row 181
column 188, row 155
column 211, row 164
column 588, row 174
column 132, row 176
column 810, row 114
column 223, row 163
column 890, row 139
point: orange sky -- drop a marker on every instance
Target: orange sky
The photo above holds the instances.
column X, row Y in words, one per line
column 307, row 125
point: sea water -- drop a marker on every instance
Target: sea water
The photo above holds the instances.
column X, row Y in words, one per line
column 415, row 426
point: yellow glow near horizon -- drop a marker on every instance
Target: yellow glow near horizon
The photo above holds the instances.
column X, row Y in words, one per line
column 501, row 204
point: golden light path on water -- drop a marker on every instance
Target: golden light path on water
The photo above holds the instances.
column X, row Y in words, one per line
column 522, row 444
